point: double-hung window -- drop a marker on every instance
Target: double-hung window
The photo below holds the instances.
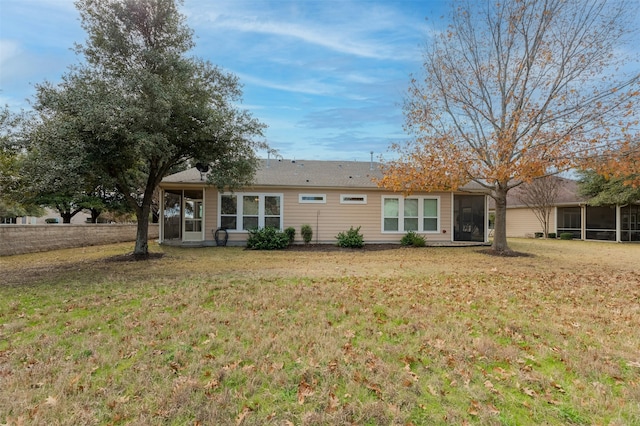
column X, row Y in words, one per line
column 243, row 211
column 418, row 214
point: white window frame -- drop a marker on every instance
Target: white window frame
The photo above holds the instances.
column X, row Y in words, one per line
column 421, row 215
column 301, row 198
column 239, row 208
column 344, row 200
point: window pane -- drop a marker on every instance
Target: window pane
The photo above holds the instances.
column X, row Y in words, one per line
column 271, row 205
column 603, row 217
column 273, row 222
column 391, row 207
column 411, row 224
column 430, row 208
column 390, row 224
column 193, row 225
column 411, row 208
column 194, row 195
column 189, row 209
column 229, row 204
column 250, row 205
column 249, row 222
column 430, row 224
column 228, row 222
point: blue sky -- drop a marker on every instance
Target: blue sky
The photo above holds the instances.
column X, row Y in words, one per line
column 327, row 76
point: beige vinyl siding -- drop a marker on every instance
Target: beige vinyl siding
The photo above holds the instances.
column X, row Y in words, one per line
column 330, row 218
column 210, row 213
column 522, row 222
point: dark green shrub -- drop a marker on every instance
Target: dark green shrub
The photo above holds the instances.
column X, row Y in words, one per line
column 420, row 241
column 307, row 233
column 566, row 236
column 351, row 238
column 268, row 238
column 551, row 235
column 538, row 234
column 291, row 234
column 413, row 239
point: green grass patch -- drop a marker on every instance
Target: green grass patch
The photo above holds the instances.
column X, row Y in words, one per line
column 228, row 336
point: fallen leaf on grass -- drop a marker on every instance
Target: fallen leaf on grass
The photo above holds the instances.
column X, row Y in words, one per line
column 473, row 408
column 243, row 414
column 304, row 390
column 375, row 389
column 493, row 410
column 51, row 400
column 333, row 403
column 212, row 384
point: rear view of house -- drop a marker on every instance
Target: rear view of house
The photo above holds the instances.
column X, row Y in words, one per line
column 330, row 196
column 572, row 214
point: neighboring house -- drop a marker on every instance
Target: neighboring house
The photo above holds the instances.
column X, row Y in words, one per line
column 571, row 214
column 51, row 216
column 330, row 196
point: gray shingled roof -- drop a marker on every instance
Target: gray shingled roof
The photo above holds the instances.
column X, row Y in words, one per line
column 305, row 173
column 567, row 194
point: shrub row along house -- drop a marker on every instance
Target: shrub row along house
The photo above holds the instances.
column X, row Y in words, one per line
column 572, row 214
column 330, row 196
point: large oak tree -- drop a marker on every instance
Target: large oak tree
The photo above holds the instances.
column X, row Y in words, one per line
column 137, row 106
column 516, row 90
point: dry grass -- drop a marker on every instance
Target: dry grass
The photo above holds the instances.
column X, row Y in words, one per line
column 404, row 336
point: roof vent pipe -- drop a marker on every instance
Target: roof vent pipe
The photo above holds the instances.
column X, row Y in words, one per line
column 371, row 164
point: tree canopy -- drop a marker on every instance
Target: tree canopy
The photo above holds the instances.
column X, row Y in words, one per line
column 607, row 190
column 137, row 105
column 513, row 91
column 12, row 158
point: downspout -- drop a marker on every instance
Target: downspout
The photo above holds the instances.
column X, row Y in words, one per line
column 618, row 223
column 583, row 222
column 161, row 218
column 317, row 225
column 486, row 218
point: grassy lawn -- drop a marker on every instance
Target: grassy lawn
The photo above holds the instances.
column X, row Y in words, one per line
column 397, row 337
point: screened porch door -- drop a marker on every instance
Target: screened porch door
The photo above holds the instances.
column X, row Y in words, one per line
column 193, row 215
column 469, row 218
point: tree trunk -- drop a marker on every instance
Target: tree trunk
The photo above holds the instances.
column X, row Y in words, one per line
column 500, row 231
column 66, row 217
column 94, row 215
column 141, row 250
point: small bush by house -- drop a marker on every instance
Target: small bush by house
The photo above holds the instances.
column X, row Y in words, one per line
column 268, row 238
column 307, row 233
column 413, row 239
column 351, row 238
column 291, row 234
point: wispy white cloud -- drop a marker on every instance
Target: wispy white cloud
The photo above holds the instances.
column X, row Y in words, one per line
column 336, row 42
column 309, row 86
column 356, row 28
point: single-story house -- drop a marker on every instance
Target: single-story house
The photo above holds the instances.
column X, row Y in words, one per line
column 571, row 213
column 330, row 196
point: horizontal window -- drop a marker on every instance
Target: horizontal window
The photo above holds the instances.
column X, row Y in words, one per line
column 312, row 198
column 418, row 214
column 353, row 199
column 242, row 212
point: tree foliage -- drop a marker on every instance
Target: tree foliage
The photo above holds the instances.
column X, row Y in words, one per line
column 601, row 190
column 516, row 90
column 137, row 106
column 12, row 200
